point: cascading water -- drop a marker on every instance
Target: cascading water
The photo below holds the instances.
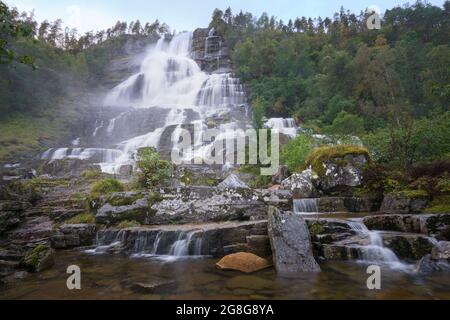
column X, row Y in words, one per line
column 306, row 206
column 170, row 79
column 165, row 245
column 284, row 126
column 375, row 252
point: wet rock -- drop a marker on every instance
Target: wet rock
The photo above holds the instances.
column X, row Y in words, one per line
column 74, row 235
column 39, row 259
column 281, row 199
column 430, row 224
column 232, row 182
column 291, row 243
column 303, row 185
column 20, row 275
column 139, row 211
column 401, row 203
column 154, row 286
column 64, row 167
column 33, row 229
column 281, row 175
column 244, row 262
column 126, row 170
column 408, row 246
column 259, row 245
column 8, row 267
column 428, row 266
column 441, row 251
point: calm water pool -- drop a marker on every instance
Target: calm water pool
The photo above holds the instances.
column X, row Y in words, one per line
column 114, row 277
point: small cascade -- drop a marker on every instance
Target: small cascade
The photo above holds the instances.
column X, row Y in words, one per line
column 306, row 206
column 284, row 126
column 375, row 252
column 167, row 245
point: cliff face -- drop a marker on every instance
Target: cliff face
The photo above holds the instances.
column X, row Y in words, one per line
column 211, row 51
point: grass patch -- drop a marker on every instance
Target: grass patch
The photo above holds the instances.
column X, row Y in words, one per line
column 440, row 204
column 128, row 224
column 413, row 194
column 91, row 174
column 85, row 218
column 107, row 186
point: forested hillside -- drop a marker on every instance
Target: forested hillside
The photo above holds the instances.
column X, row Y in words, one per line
column 333, row 75
column 47, row 73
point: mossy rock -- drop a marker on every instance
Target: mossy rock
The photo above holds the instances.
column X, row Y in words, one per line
column 39, row 259
column 337, row 154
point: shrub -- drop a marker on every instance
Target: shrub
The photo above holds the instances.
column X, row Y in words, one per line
column 106, row 186
column 152, row 170
column 295, row 153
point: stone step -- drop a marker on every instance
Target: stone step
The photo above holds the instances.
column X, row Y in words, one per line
column 429, row 224
column 216, row 237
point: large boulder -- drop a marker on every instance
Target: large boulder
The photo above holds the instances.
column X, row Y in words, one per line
column 340, row 167
column 74, row 235
column 232, row 182
column 138, row 211
column 39, row 258
column 291, row 243
column 208, row 204
column 428, row 266
column 441, row 251
column 303, row 185
column 281, row 175
column 244, row 262
column 405, row 202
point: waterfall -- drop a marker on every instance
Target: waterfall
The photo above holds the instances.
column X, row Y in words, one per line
column 306, row 206
column 375, row 252
column 168, row 245
column 284, row 126
column 168, row 78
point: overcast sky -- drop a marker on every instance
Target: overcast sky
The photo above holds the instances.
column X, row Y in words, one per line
column 181, row 15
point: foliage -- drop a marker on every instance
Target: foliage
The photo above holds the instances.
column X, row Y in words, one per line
column 85, row 218
column 152, row 170
column 296, row 152
column 388, row 85
column 128, row 224
column 12, row 28
column 106, row 186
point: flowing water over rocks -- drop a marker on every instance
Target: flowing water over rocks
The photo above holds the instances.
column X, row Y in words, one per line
column 170, row 92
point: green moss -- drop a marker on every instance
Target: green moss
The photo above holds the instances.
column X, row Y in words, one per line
column 85, row 218
column 120, row 200
column 322, row 155
column 128, row 224
column 187, row 178
column 413, row 194
column 107, row 186
column 32, row 259
column 153, row 198
column 316, row 229
column 91, row 174
column 440, row 204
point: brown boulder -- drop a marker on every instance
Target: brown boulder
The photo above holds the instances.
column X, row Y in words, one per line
column 244, row 262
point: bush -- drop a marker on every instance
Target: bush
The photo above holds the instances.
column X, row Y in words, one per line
column 106, row 186
column 295, row 153
column 152, row 170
